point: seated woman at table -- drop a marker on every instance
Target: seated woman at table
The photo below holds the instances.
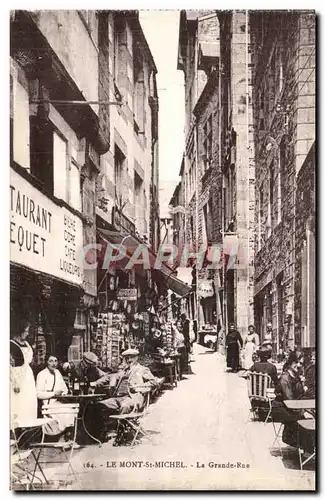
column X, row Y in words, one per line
column 290, row 387
column 49, row 385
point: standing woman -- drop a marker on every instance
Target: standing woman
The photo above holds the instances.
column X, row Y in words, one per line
column 251, row 344
column 233, row 340
column 23, row 390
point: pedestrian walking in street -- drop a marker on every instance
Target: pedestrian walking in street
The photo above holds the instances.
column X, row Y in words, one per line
column 233, row 343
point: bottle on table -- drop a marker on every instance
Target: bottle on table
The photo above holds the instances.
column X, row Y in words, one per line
column 70, row 385
column 76, row 387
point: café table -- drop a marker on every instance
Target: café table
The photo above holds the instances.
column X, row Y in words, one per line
column 84, row 401
column 300, row 404
column 306, row 440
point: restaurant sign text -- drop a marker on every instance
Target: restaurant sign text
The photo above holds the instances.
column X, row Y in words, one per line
column 43, row 236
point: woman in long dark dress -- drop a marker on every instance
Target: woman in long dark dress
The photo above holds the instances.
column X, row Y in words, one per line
column 233, row 340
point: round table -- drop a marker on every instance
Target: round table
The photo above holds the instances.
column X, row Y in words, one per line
column 84, row 400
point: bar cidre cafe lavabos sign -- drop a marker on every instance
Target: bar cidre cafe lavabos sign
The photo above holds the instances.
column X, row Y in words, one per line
column 44, row 236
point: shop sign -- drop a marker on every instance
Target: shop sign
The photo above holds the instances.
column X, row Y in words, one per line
column 44, row 236
column 121, row 222
column 127, row 294
column 205, row 289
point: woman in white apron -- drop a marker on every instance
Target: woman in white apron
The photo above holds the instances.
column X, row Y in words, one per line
column 50, row 385
column 251, row 345
column 23, row 401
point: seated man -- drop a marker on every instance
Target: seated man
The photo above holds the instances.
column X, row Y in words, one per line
column 88, row 368
column 127, row 385
column 264, row 366
column 49, row 385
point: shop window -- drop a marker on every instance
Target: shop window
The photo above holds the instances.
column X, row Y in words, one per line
column 80, row 320
column 75, row 193
column 60, row 159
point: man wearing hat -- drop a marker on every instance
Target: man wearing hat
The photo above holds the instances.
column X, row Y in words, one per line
column 88, row 368
column 126, row 386
column 268, row 341
column 264, row 366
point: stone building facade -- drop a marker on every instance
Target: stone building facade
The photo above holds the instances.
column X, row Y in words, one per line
column 129, row 169
column 198, row 59
column 283, row 57
column 305, row 253
column 57, row 139
column 84, row 157
column 237, row 159
column 127, row 189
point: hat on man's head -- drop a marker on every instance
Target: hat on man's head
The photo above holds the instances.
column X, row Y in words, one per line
column 264, row 352
column 90, row 358
column 131, row 352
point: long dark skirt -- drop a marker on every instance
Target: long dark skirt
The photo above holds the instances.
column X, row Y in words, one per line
column 233, row 356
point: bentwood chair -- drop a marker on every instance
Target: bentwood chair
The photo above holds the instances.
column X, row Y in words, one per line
column 261, row 394
column 129, row 424
column 259, row 385
column 64, row 448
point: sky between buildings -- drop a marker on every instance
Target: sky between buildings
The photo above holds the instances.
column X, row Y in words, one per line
column 161, row 28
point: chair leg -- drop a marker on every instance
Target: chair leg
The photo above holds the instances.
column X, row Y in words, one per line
column 69, row 458
column 38, row 465
column 277, row 436
column 268, row 416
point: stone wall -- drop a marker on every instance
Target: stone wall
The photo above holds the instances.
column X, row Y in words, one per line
column 284, row 131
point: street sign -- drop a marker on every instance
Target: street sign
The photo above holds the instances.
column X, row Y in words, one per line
column 127, row 294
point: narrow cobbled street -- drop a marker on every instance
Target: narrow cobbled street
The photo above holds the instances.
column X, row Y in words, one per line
column 203, row 424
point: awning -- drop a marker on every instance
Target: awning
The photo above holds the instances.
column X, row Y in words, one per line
column 131, row 243
column 176, row 285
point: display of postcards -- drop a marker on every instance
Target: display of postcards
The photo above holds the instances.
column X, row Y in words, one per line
column 110, row 319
